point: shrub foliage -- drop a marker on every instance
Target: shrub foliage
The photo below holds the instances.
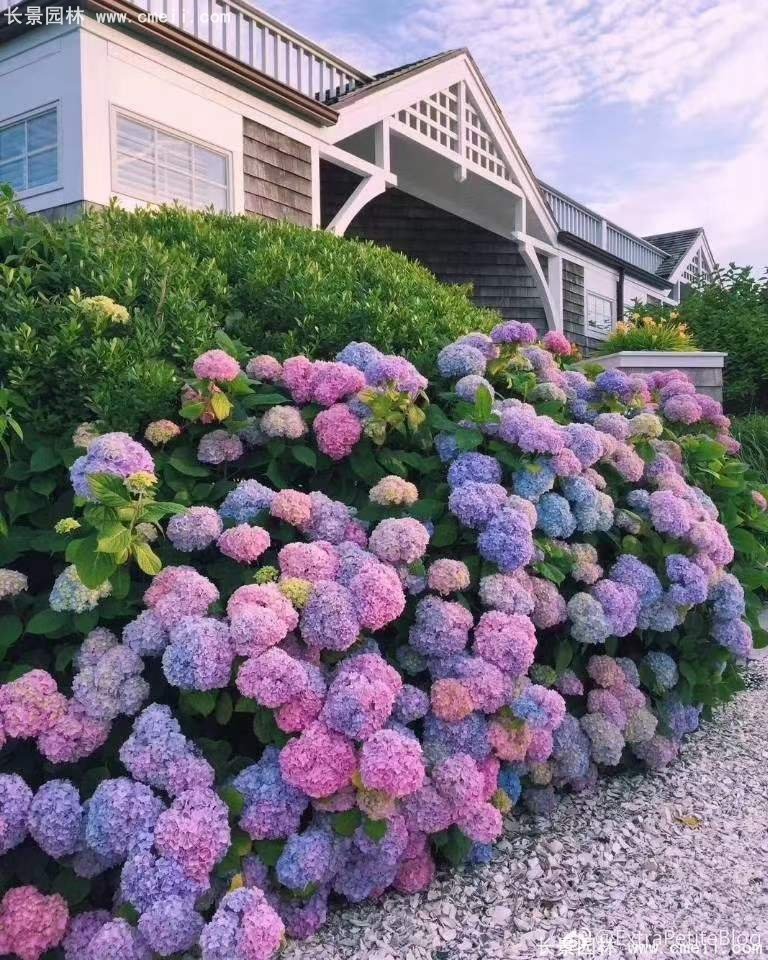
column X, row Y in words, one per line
column 182, row 276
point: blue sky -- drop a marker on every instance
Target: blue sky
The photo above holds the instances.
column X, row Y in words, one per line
column 655, row 112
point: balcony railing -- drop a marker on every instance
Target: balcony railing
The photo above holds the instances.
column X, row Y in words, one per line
column 589, row 226
column 254, row 38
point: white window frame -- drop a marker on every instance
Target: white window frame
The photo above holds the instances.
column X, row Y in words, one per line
column 54, row 105
column 117, row 189
column 590, row 330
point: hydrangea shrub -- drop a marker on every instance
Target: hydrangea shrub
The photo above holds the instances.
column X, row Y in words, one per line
column 335, row 622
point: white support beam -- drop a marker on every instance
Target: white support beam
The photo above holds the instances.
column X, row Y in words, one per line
column 347, row 160
column 461, row 131
column 381, row 145
column 363, row 193
column 548, row 302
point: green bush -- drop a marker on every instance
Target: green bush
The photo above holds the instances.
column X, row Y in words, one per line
column 752, row 433
column 183, row 276
column 729, row 311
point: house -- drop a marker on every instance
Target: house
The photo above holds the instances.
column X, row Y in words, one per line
column 214, row 103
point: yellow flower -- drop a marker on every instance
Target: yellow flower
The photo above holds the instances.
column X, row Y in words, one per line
column 67, row 525
column 140, row 482
column 105, row 309
column 298, row 591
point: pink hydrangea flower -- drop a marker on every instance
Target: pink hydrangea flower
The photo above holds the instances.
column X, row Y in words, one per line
column 392, row 762
column 506, row 639
column 447, row 576
column 219, row 446
column 263, row 595
column 73, row 736
column 337, row 430
column 31, row 923
column 557, row 343
column 451, row 701
column 377, row 596
column 309, row 561
column 272, row 679
column 216, row 365
column 402, row 541
column 393, row 491
column 244, row 543
column 283, row 421
column 292, row 506
column 178, row 592
column 319, row 761
column 31, row 705
column 264, row 367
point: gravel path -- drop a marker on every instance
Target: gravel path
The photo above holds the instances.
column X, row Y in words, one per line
column 664, row 865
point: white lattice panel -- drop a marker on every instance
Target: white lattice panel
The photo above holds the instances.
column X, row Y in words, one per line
column 480, row 147
column 436, row 118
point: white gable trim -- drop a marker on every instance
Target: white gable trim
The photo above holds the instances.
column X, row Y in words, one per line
column 396, row 95
column 699, row 243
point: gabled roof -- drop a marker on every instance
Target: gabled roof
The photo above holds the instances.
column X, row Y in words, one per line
column 676, row 245
column 395, row 73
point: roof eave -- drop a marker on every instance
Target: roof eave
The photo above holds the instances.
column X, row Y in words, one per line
column 196, row 51
column 611, row 260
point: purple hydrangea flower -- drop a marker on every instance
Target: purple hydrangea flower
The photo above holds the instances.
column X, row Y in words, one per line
column 55, row 819
column 478, row 467
column 15, row 801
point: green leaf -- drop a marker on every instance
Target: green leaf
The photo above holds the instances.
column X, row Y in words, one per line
column 483, row 405
column 469, row 439
column 183, row 462
column 93, row 567
column 11, row 628
column 246, row 705
column 46, row 621
column 64, row 656
column 241, row 843
column 109, row 490
column 446, row 533
column 744, row 541
column 376, row 829
column 550, row 572
column 233, row 799
column 305, row 455
column 268, row 851
column 128, row 912
column 192, row 411
column 267, row 399
column 201, row 702
column 347, row 822
column 224, row 708
column 43, row 459
column 426, row 509
column 85, row 622
column 564, row 656
column 114, row 538
column 147, row 559
column 73, row 888
column 121, row 583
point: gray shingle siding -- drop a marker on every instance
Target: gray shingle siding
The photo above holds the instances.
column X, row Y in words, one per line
column 455, row 250
column 573, row 309
column 278, row 175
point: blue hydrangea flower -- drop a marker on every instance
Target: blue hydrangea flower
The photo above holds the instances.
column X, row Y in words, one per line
column 56, row 818
column 507, row 540
column 249, row 499
column 460, row 360
column 474, row 466
column 554, row 517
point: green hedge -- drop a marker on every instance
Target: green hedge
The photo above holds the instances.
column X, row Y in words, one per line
column 182, row 275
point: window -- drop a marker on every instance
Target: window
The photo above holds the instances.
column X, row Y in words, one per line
column 152, row 164
column 29, row 151
column 599, row 314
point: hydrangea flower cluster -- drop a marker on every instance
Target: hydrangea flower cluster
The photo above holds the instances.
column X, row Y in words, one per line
column 398, row 668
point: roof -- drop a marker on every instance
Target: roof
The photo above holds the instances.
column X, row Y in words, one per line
column 675, row 244
column 395, row 73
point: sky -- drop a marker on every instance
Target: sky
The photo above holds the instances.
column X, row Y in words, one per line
column 653, row 112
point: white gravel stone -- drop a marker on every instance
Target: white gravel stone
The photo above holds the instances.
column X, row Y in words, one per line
column 679, row 856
